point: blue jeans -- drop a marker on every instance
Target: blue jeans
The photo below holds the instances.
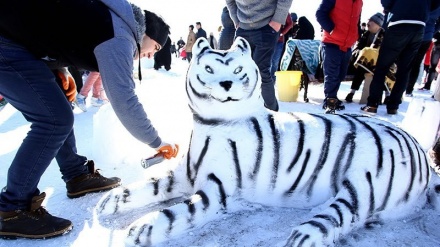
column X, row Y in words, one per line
column 400, row 44
column 276, row 59
column 262, row 42
column 28, row 84
column 335, row 66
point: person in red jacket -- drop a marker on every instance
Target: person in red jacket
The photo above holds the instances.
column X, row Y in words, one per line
column 340, row 21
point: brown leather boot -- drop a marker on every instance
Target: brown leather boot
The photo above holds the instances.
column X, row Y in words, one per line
column 90, row 182
column 33, row 223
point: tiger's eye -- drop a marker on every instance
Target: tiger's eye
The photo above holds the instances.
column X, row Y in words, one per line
column 238, row 69
column 209, row 69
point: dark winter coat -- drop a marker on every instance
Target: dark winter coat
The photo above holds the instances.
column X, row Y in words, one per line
column 163, row 57
column 32, row 24
column 305, row 29
column 432, row 25
column 201, row 33
column 404, row 12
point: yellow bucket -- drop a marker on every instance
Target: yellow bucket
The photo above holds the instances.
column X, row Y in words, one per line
column 288, row 83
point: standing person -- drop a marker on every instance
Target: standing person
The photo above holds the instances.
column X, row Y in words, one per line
column 279, row 46
column 260, row 24
column 370, row 38
column 305, row 29
column 435, row 56
column 340, row 21
column 200, row 31
column 163, row 57
column 434, row 154
column 227, row 33
column 32, row 30
column 430, row 29
column 98, row 94
column 180, row 43
column 189, row 43
column 173, row 49
column 212, row 41
column 403, row 36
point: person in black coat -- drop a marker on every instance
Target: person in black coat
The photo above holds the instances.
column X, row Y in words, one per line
column 163, row 57
column 305, row 30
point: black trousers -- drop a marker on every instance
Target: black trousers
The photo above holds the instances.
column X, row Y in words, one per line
column 400, row 44
column 415, row 68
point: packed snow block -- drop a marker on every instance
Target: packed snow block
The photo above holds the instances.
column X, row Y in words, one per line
column 112, row 143
column 436, row 88
column 366, row 88
column 422, row 120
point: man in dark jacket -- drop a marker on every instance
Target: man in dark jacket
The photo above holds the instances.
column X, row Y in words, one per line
column 200, row 31
column 340, row 20
column 101, row 36
column 403, row 36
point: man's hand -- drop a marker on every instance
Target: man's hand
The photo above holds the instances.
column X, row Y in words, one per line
column 275, row 25
column 168, row 150
column 67, row 84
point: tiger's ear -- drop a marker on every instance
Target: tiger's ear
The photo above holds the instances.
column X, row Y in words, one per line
column 242, row 44
column 200, row 46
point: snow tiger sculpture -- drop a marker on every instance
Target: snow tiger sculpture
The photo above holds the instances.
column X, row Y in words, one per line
column 241, row 150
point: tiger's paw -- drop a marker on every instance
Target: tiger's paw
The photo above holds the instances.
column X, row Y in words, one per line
column 307, row 235
column 113, row 201
column 146, row 231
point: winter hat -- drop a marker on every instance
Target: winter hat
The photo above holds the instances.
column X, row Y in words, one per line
column 294, row 16
column 156, row 28
column 377, row 18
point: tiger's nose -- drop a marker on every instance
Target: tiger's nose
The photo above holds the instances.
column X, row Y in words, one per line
column 226, row 85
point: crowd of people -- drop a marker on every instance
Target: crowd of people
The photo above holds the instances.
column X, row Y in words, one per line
column 40, row 51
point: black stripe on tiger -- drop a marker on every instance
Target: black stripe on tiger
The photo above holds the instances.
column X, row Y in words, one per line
column 140, row 232
column 353, row 195
column 259, row 151
column 419, row 151
column 378, row 142
column 199, row 162
column 191, row 209
column 236, row 162
column 327, row 217
column 348, row 206
column 300, row 175
column 390, row 183
column 221, row 189
column 318, row 225
column 225, row 62
column 372, row 198
column 195, row 93
column 301, row 142
column 209, row 122
column 339, row 212
column 205, row 199
column 412, row 162
column 292, row 238
column 276, row 150
column 171, row 218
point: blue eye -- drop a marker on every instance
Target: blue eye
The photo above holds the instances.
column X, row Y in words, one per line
column 238, row 69
column 209, row 69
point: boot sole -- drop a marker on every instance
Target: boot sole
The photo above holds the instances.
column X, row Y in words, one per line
column 14, row 235
column 93, row 190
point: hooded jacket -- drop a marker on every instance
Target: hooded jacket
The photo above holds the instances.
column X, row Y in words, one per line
column 94, row 35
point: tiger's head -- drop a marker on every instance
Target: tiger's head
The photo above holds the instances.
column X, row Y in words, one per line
column 223, row 84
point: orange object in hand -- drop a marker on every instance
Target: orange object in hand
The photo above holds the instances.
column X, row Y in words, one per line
column 169, row 151
column 68, row 84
